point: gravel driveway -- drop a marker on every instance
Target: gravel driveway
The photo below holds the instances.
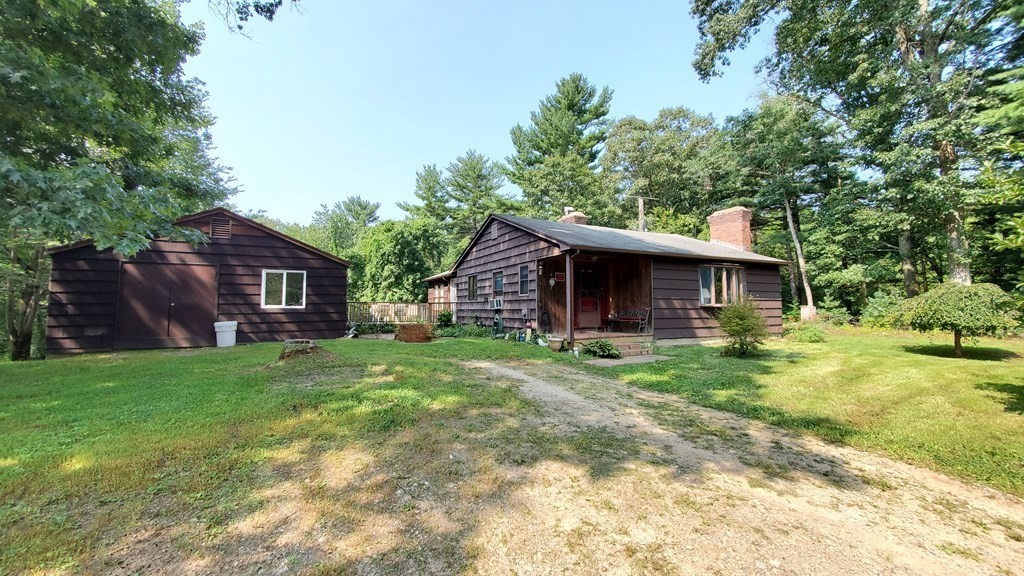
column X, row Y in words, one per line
column 701, row 491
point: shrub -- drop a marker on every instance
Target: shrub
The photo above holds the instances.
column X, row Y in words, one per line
column 791, row 312
column 964, row 310
column 804, row 332
column 456, row 331
column 744, row 327
column 375, row 328
column 601, row 349
column 445, row 319
column 833, row 312
column 878, row 308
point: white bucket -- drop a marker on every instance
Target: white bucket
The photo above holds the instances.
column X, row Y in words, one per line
column 225, row 333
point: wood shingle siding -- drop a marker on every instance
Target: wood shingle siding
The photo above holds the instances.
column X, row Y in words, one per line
column 677, row 311
column 500, row 247
column 86, row 288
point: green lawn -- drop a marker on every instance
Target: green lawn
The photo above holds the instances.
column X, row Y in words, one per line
column 90, row 446
column 899, row 393
column 97, row 448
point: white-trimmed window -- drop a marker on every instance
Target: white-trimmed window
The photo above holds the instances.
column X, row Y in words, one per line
column 524, row 280
column 283, row 289
column 721, row 285
column 498, row 285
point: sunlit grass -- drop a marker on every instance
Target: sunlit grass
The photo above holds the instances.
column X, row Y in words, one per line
column 195, row 427
column 897, row 392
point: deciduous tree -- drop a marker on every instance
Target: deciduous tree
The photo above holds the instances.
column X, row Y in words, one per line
column 101, row 135
column 905, row 76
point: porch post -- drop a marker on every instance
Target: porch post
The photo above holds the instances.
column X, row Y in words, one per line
column 569, row 301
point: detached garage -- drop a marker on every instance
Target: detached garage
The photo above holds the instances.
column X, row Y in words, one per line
column 170, row 295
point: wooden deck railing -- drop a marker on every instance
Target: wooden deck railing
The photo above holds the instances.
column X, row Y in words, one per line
column 396, row 312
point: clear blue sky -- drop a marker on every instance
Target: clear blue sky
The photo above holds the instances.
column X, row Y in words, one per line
column 345, row 98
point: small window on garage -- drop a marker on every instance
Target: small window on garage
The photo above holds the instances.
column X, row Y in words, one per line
column 524, row 280
column 283, row 289
column 472, row 287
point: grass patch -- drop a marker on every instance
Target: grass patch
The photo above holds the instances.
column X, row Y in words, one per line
column 951, row 548
column 95, row 446
column 875, row 391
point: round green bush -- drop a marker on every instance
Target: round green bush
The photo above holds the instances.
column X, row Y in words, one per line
column 965, row 310
column 744, row 327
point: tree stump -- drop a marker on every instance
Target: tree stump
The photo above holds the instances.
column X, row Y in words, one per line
column 415, row 332
column 296, row 346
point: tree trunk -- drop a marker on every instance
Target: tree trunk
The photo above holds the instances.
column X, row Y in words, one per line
column 793, row 292
column 23, row 300
column 958, row 260
column 921, row 44
column 21, row 346
column 799, row 253
column 907, row 265
column 958, row 349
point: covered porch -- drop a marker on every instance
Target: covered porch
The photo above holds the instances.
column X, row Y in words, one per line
column 584, row 296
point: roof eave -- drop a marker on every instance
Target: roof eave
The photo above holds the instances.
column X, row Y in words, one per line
column 757, row 260
column 210, row 212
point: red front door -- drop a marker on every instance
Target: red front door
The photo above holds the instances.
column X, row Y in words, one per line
column 588, row 280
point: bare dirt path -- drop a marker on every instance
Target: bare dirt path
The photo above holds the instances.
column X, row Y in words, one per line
column 690, row 490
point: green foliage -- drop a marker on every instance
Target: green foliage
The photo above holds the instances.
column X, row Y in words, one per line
column 969, row 310
column 833, row 312
column 104, row 136
column 393, row 263
column 455, row 202
column 904, row 78
column 556, row 154
column 342, row 224
column 375, row 328
column 879, row 308
column 808, row 332
column 566, row 180
column 445, row 318
column 678, row 161
column 467, row 331
column 744, row 327
column 601, row 349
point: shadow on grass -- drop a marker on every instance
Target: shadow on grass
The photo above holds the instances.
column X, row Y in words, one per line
column 1011, row 395
column 368, row 457
column 970, row 352
column 703, row 377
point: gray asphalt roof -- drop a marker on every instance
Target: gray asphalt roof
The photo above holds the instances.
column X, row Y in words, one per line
column 586, row 237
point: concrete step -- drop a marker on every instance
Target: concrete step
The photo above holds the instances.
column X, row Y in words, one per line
column 636, row 352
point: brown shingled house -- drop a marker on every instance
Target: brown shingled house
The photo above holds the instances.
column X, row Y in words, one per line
column 170, row 295
column 585, row 282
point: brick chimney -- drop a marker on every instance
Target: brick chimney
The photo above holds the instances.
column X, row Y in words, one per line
column 572, row 216
column 731, row 227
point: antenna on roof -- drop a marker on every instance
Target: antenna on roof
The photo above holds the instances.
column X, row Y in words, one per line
column 641, row 220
